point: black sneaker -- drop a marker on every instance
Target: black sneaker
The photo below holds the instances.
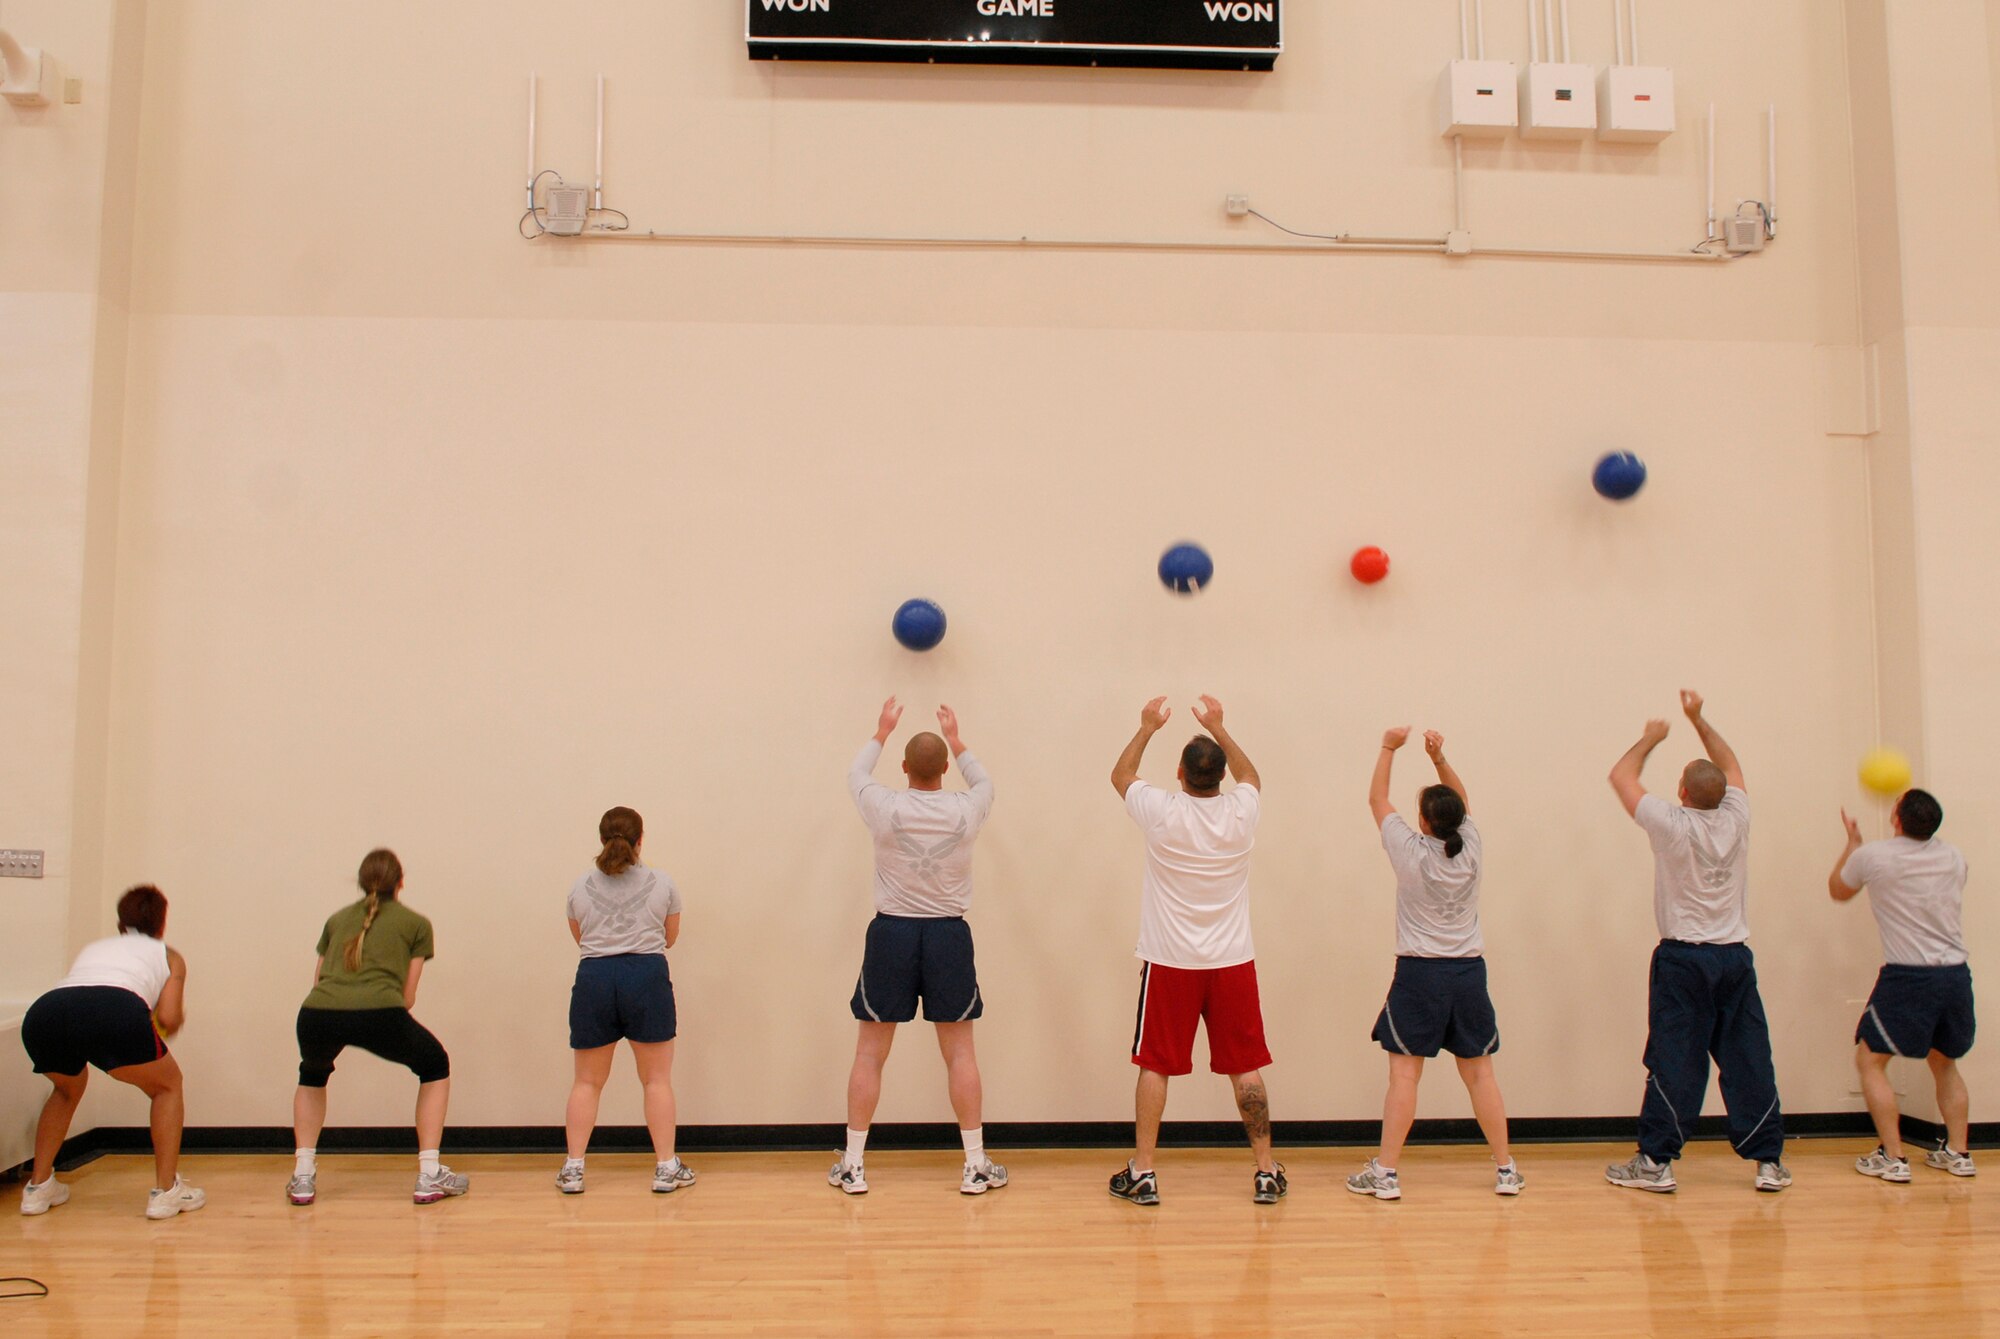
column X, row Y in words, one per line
column 1269, row 1187
column 1132, row 1184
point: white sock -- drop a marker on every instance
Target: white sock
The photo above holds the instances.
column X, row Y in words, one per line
column 975, row 1145
column 672, row 1164
column 427, row 1161
column 308, row 1162
column 857, row 1142
column 573, row 1162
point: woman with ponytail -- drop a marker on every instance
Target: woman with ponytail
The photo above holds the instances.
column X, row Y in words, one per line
column 624, row 917
column 1438, row 998
column 371, row 956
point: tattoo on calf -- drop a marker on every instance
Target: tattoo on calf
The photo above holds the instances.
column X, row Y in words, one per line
column 1256, row 1109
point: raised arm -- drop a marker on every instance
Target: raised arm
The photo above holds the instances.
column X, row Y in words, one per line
column 1625, row 772
column 1126, row 770
column 976, row 778
column 1378, row 785
column 1434, row 745
column 171, row 1012
column 861, row 772
column 1718, row 748
column 1209, row 715
column 1836, row 886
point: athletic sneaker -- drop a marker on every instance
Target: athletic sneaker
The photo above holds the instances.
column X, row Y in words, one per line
column 1941, row 1157
column 444, row 1182
column 670, row 1176
column 1269, row 1187
column 44, row 1197
column 979, row 1180
column 1883, row 1167
column 1508, row 1181
column 1376, row 1180
column 301, row 1188
column 1129, row 1183
column 570, row 1180
column 1772, row 1176
column 178, row 1198
column 848, row 1180
column 1642, row 1173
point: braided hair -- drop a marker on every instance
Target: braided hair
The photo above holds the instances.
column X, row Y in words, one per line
column 381, row 874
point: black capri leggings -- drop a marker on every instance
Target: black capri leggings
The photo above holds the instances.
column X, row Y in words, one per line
column 389, row 1033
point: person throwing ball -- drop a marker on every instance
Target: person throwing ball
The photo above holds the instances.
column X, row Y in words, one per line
column 1703, row 1000
column 1922, row 1002
column 919, row 946
column 1438, row 998
column 1197, row 962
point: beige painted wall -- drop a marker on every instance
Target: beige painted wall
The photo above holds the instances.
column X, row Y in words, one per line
column 435, row 538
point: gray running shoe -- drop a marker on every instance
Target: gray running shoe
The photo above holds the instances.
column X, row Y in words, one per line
column 1772, row 1176
column 570, row 1179
column 39, row 1199
column 1949, row 1160
column 1508, row 1181
column 1376, row 1180
column 178, row 1198
column 671, row 1176
column 1883, row 1167
column 1269, row 1187
column 1642, row 1173
column 302, row 1188
column 979, row 1180
column 1129, row 1183
column 848, row 1180
column 445, row 1182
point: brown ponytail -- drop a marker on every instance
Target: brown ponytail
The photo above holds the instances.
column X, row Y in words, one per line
column 381, row 874
column 620, row 830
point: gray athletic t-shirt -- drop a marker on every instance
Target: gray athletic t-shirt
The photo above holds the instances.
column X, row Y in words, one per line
column 1437, row 896
column 623, row 913
column 1916, row 890
column 1701, row 868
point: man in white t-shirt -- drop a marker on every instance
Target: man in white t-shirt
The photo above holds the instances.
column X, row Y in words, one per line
column 1703, row 999
column 1922, row 1002
column 1194, row 939
column 919, row 946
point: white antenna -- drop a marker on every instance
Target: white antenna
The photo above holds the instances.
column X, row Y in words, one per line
column 1711, row 171
column 1771, row 169
column 597, row 197
column 531, row 140
column 1565, row 14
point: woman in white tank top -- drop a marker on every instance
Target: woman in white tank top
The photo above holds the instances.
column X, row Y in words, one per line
column 122, row 999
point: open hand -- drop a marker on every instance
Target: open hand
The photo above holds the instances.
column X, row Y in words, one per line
column 1394, row 739
column 1208, row 713
column 892, row 711
column 1691, row 703
column 948, row 725
column 1154, row 714
column 1434, row 745
column 1853, row 828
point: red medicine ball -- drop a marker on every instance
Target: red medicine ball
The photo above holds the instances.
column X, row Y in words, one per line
column 1370, row 565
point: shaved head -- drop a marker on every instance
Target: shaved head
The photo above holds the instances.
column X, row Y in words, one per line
column 925, row 758
column 1702, row 785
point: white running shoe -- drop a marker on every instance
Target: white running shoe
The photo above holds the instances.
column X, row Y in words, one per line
column 178, row 1198
column 671, row 1176
column 303, row 1188
column 44, row 1197
column 440, row 1185
column 570, row 1179
column 1377, row 1180
column 1883, row 1167
column 1772, row 1176
column 848, row 1180
column 1943, row 1158
column 1642, row 1173
column 1507, row 1180
column 979, row 1180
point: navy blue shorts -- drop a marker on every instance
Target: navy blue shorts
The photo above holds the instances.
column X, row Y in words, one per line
column 628, row 997
column 1916, row 1010
column 1438, row 1003
column 106, row 1026
column 912, row 956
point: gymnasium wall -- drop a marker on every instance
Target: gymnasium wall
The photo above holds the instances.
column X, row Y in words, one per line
column 435, row 538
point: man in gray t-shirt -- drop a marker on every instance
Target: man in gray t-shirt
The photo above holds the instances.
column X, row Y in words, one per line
column 1922, row 1002
column 1703, row 1000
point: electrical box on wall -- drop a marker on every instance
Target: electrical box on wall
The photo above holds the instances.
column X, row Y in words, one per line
column 1558, row 101
column 1635, row 104
column 1479, row 98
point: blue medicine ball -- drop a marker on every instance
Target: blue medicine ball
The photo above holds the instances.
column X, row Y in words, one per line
column 919, row 624
column 1186, row 568
column 1619, row 476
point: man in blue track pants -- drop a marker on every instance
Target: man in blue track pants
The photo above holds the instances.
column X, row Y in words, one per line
column 1703, row 999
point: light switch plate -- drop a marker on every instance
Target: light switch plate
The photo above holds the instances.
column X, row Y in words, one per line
column 20, row 864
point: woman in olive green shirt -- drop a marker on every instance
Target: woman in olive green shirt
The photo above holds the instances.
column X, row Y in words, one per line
column 371, row 956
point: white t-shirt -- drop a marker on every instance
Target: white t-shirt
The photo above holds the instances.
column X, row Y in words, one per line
column 1194, row 906
column 623, row 913
column 1915, row 888
column 132, row 961
column 923, row 838
column 1437, row 896
column 1701, row 868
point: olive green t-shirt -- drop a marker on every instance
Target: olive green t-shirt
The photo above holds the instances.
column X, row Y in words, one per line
column 397, row 936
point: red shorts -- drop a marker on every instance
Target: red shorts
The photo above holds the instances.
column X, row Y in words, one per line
column 1173, row 999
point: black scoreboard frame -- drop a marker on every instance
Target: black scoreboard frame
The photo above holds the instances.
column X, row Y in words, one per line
column 920, row 31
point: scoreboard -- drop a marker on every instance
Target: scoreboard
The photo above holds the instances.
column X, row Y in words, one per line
column 1183, row 34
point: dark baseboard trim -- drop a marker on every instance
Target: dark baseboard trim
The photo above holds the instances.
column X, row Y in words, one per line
column 941, row 1135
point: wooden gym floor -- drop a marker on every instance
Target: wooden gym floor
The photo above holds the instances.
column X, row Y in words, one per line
column 763, row 1246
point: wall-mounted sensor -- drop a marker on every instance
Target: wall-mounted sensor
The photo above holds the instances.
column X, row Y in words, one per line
column 28, row 77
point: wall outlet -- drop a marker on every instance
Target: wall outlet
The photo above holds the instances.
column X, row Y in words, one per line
column 20, row 864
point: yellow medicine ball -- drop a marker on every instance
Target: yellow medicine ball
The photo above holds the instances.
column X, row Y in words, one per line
column 1886, row 772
